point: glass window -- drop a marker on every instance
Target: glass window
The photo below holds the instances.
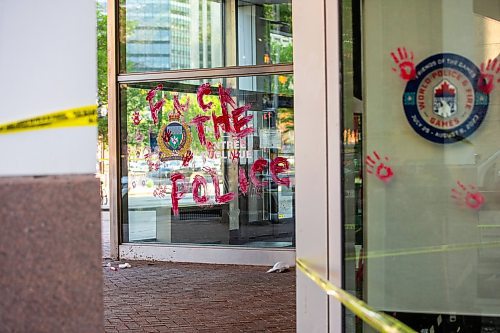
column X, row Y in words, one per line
column 264, row 32
column 187, row 180
column 159, row 35
column 421, row 161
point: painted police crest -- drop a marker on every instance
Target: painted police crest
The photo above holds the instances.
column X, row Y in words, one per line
column 174, row 138
column 442, row 103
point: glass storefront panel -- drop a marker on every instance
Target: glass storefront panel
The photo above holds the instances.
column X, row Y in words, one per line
column 187, row 180
column 161, row 35
column 264, row 32
column 421, row 99
column 158, row 35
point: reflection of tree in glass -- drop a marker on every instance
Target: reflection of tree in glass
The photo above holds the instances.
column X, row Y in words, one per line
column 278, row 33
column 286, row 124
column 102, row 56
column 102, row 65
column 102, row 72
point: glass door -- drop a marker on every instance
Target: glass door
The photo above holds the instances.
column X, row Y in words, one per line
column 421, row 161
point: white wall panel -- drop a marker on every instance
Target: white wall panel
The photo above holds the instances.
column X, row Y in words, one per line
column 311, row 162
column 47, row 63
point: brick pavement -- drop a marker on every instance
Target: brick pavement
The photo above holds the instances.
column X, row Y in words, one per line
column 181, row 297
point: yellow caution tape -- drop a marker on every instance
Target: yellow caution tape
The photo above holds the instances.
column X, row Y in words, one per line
column 378, row 320
column 82, row 116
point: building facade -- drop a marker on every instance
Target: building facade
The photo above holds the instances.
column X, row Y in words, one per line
column 357, row 136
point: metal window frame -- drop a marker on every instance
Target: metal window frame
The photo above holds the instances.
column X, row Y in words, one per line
column 193, row 74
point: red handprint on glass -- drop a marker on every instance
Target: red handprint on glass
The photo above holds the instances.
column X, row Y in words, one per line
column 406, row 66
column 153, row 166
column 160, row 192
column 188, row 157
column 467, row 195
column 167, row 135
column 136, row 118
column 379, row 167
column 486, row 81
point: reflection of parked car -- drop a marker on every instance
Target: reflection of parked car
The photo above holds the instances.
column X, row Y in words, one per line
column 172, row 165
column 162, row 175
column 137, row 167
column 198, row 163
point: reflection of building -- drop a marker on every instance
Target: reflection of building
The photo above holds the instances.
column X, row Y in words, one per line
column 164, row 35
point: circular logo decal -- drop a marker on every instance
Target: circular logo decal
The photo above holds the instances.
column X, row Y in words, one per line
column 442, row 103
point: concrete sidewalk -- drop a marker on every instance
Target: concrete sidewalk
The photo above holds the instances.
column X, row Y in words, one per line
column 180, row 297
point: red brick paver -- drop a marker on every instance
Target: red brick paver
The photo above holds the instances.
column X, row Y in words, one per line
column 179, row 297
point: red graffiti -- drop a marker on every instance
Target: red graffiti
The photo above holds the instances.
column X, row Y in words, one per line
column 211, row 149
column 215, row 180
column 382, row 170
column 223, row 121
column 199, row 182
column 203, row 90
column 188, row 157
column 467, row 195
column 486, row 81
column 199, row 185
column 199, row 122
column 258, row 166
column 153, row 166
column 239, row 123
column 176, row 195
column 180, row 108
column 160, row 192
column 279, row 165
column 242, row 181
column 234, row 123
column 225, row 98
column 136, row 118
column 235, row 156
column 155, row 108
column 406, row 66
